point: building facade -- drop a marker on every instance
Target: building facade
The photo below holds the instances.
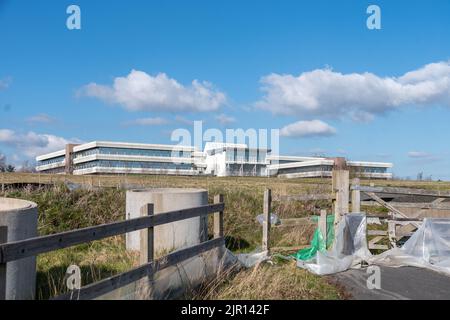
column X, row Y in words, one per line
column 227, row 159
column 101, row 157
column 312, row 167
column 217, row 159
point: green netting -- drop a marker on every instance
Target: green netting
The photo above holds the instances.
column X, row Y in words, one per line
column 317, row 242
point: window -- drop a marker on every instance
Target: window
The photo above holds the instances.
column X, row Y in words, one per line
column 133, row 165
column 51, row 161
column 135, row 152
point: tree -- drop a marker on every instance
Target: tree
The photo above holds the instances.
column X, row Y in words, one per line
column 2, row 162
column 4, row 167
column 26, row 167
column 420, row 176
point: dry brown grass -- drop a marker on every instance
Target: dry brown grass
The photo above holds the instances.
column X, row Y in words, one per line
column 282, row 281
column 62, row 210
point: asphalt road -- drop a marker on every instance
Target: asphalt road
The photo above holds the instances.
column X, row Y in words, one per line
column 403, row 283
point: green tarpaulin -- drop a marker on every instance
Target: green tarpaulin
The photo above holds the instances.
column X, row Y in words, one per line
column 317, row 242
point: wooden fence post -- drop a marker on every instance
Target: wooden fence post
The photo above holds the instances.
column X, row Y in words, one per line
column 392, row 233
column 266, row 219
column 3, row 239
column 218, row 218
column 218, row 225
column 147, row 252
column 147, row 237
column 323, row 224
column 341, row 187
column 356, row 197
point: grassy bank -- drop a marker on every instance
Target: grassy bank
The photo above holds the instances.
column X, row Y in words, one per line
column 282, row 280
column 61, row 209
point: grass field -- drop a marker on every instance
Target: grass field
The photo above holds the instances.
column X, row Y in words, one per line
column 102, row 200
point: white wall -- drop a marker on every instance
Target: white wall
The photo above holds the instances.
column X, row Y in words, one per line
column 216, row 163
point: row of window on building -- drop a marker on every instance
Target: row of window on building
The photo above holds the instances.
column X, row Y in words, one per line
column 133, row 165
column 217, row 159
column 134, row 152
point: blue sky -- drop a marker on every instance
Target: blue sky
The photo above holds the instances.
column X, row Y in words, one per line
column 310, row 67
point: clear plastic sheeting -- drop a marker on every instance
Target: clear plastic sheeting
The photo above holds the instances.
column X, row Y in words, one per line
column 349, row 248
column 248, row 260
column 428, row 247
column 274, row 220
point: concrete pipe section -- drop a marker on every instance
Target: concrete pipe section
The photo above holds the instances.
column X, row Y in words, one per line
column 172, row 236
column 20, row 219
column 175, row 281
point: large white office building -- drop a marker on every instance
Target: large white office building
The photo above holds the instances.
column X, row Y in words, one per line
column 100, row 157
column 227, row 159
column 312, row 167
column 217, row 159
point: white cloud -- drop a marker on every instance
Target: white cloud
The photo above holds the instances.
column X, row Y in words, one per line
column 422, row 155
column 41, row 118
column 5, row 83
column 140, row 91
column 418, row 154
column 184, row 120
column 308, row 129
column 147, row 122
column 32, row 144
column 359, row 96
column 224, row 119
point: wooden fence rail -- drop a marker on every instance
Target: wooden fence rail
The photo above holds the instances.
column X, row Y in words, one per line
column 305, row 197
column 400, row 224
column 403, row 191
column 305, row 221
column 101, row 287
column 34, row 246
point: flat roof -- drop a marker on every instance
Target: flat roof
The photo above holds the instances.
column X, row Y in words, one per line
column 128, row 145
column 218, row 146
column 370, row 164
column 51, row 155
column 292, row 158
column 319, row 161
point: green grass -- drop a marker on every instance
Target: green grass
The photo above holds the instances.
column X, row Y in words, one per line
column 97, row 260
column 62, row 210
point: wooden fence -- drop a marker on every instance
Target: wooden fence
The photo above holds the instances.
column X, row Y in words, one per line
column 267, row 225
column 400, row 224
column 31, row 247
